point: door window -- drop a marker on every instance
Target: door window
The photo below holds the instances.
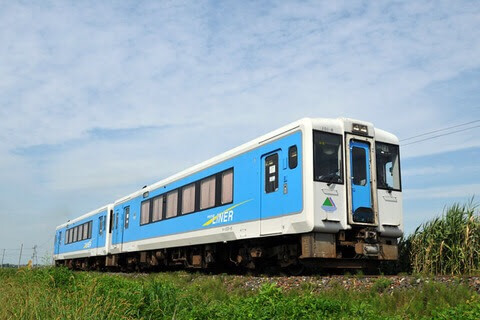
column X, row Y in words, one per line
column 359, row 166
column 271, row 173
column 126, row 214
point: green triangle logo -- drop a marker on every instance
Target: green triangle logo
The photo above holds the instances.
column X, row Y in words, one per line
column 327, row 203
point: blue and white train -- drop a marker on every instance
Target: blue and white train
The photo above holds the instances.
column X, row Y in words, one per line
column 317, row 191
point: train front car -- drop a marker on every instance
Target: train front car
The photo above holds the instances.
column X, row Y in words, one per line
column 356, row 193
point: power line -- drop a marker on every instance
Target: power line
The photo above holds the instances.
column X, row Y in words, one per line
column 439, row 130
column 440, row 135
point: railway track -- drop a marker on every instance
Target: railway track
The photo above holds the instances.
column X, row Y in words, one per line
column 318, row 283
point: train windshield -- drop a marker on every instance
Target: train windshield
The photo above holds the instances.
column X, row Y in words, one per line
column 388, row 166
column 327, row 157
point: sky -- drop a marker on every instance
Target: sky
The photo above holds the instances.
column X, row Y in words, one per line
column 99, row 98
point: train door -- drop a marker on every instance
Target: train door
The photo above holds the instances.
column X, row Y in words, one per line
column 109, row 229
column 100, row 234
column 271, row 195
column 359, row 169
column 117, row 233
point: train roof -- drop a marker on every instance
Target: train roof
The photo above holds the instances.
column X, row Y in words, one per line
column 86, row 215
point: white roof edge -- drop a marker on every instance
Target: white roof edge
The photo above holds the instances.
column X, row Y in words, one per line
column 385, row 136
column 217, row 159
column 86, row 215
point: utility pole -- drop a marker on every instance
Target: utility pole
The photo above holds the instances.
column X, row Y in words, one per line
column 35, row 262
column 3, row 257
column 20, row 257
column 34, row 255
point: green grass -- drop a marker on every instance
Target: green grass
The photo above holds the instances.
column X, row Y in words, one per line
column 58, row 293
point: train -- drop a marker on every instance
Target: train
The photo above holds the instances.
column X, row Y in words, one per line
column 317, row 192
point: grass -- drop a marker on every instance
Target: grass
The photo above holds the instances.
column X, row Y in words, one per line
column 58, row 293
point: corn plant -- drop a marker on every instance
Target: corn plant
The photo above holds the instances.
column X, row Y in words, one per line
column 449, row 244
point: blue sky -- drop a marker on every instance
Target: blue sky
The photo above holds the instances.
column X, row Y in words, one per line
column 98, row 99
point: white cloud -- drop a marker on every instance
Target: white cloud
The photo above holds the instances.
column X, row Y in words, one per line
column 443, row 192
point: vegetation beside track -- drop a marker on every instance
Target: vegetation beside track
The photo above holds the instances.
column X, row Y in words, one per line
column 58, row 293
column 446, row 245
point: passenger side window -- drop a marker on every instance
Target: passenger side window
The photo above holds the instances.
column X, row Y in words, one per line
column 188, row 199
column 89, row 230
column 207, row 193
column 292, row 157
column 227, row 186
column 172, row 204
column 271, row 173
column 157, row 209
column 80, row 232
column 145, row 212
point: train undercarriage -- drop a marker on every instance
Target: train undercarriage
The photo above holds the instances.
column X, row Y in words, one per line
column 292, row 254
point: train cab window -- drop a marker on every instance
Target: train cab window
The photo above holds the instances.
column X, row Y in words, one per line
column 271, row 173
column 292, row 157
column 227, row 186
column 172, row 204
column 157, row 208
column 145, row 212
column 388, row 166
column 207, row 193
column 188, row 198
column 126, row 214
column 327, row 157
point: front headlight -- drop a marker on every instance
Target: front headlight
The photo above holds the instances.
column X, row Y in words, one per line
column 360, row 128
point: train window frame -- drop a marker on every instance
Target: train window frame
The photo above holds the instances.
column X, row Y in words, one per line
column 271, row 185
column 292, row 157
column 161, row 200
column 340, row 151
column 189, row 198
column 212, row 180
column 223, row 174
column 399, row 189
column 146, row 213
column 90, row 224
column 173, row 195
column 80, row 232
